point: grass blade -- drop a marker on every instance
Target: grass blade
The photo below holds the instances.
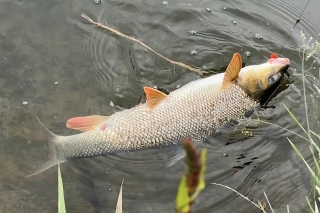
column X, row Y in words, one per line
column 268, row 201
column 238, row 193
column 310, row 207
column 119, row 203
column 298, row 153
column 296, row 120
column 61, row 203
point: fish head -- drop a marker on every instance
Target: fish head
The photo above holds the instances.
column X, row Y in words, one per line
column 256, row 79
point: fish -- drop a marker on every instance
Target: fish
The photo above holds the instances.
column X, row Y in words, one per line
column 197, row 110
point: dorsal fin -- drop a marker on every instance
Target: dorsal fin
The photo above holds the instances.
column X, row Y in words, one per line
column 232, row 71
column 86, row 123
column 154, row 97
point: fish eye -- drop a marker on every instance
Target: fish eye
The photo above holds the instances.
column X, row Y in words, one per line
column 272, row 79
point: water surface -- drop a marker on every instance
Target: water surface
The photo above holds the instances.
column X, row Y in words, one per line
column 56, row 65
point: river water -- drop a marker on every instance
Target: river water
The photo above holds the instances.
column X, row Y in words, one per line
column 56, row 65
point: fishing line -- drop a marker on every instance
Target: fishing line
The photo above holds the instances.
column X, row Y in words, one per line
column 297, row 21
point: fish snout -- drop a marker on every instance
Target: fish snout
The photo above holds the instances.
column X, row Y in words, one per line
column 286, row 64
column 284, row 61
column 282, row 64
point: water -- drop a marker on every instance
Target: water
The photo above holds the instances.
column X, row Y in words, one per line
column 62, row 66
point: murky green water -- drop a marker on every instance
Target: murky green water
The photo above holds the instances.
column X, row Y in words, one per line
column 56, row 65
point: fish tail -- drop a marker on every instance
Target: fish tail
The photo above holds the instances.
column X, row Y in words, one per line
column 52, row 157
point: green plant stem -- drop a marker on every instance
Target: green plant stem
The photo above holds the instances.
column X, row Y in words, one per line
column 304, row 92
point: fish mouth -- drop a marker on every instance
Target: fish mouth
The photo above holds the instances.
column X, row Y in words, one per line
column 285, row 62
column 284, row 68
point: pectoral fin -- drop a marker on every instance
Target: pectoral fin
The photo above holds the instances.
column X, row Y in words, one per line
column 86, row 123
column 154, row 97
column 232, row 71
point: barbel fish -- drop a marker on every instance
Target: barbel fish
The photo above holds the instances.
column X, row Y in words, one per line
column 197, row 111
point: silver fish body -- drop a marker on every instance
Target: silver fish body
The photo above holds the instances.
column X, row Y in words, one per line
column 196, row 111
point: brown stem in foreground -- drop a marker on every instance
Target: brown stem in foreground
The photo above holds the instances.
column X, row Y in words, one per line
column 142, row 44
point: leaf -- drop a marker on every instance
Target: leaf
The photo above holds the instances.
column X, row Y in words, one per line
column 119, row 203
column 182, row 200
column 61, row 203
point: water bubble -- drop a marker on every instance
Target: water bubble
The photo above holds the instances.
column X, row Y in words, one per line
column 258, row 36
column 225, row 155
column 268, row 24
column 165, row 3
column 24, row 103
column 109, row 189
column 56, row 82
column 97, row 1
column 224, row 8
column 235, row 22
column 204, row 67
column 193, row 32
column 193, row 52
column 247, row 53
column 208, row 9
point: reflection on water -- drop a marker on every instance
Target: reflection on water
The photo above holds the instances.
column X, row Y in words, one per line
column 55, row 65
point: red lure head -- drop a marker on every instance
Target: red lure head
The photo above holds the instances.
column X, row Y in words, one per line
column 274, row 55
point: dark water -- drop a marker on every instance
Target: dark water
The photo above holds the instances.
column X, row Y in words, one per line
column 62, row 66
